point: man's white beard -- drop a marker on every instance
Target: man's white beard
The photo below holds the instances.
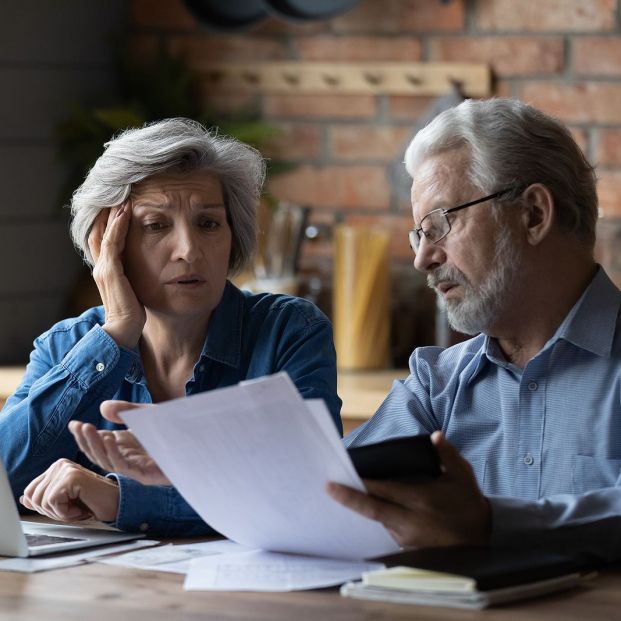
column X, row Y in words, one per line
column 479, row 308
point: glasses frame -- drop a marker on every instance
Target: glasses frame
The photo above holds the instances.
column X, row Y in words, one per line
column 415, row 235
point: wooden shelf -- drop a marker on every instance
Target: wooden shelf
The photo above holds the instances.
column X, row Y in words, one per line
column 474, row 79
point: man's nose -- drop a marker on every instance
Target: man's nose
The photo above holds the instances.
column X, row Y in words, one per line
column 429, row 256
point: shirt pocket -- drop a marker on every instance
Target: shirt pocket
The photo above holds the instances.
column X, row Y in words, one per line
column 590, row 473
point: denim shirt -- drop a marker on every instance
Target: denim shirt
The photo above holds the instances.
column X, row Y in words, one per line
column 76, row 365
column 544, row 441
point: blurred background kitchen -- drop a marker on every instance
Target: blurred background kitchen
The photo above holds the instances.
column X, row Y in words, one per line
column 75, row 71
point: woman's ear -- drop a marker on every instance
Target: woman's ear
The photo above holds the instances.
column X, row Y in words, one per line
column 538, row 212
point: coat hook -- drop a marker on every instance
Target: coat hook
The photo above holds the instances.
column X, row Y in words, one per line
column 413, row 79
column 331, row 80
column 251, row 77
column 456, row 84
column 291, row 78
column 373, row 77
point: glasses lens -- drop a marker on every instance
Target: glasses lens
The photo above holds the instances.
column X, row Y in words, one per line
column 435, row 225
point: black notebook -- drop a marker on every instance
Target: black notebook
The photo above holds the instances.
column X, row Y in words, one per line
column 468, row 576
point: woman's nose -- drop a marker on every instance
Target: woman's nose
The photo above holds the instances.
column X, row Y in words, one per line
column 186, row 246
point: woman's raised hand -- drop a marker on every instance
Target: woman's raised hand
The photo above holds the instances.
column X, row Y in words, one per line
column 117, row 451
column 125, row 315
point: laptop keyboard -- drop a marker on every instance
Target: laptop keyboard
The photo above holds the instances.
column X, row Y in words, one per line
column 44, row 540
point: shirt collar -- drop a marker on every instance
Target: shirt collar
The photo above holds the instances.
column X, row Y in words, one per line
column 224, row 337
column 590, row 325
column 592, row 322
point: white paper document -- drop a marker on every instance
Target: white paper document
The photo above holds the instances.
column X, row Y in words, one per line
column 253, row 460
column 270, row 571
column 174, row 558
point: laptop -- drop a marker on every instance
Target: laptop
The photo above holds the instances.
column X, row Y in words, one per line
column 24, row 539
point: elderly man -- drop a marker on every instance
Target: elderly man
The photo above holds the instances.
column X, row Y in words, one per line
column 526, row 416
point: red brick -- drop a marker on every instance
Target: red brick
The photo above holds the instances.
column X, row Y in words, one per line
column 582, row 138
column 161, row 14
column 201, row 49
column 585, row 102
column 609, row 192
column 608, row 151
column 398, row 227
column 334, row 49
column 279, row 26
column 227, row 104
column 393, row 16
column 507, row 55
column 596, row 55
column 365, row 143
column 320, row 106
column 546, row 15
column 503, row 88
column 408, row 108
column 340, row 187
column 295, row 141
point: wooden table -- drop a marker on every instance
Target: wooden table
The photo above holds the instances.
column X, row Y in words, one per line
column 362, row 393
column 98, row 592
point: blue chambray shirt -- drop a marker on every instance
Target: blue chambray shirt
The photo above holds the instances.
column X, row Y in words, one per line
column 544, row 441
column 76, row 365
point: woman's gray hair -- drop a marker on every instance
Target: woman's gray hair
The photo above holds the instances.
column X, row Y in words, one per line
column 169, row 146
column 512, row 144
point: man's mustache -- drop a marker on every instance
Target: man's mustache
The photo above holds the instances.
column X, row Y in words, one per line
column 446, row 273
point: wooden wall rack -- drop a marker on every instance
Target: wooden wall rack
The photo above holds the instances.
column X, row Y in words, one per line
column 291, row 77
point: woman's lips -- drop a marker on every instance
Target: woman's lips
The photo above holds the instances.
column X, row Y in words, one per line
column 187, row 280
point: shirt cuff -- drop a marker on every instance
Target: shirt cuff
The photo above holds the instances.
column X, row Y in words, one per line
column 156, row 510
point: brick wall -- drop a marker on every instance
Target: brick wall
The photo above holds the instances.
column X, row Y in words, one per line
column 563, row 56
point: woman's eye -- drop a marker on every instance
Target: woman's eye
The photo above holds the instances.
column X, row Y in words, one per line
column 209, row 224
column 154, row 226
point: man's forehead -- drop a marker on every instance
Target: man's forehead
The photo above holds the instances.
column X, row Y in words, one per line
column 439, row 182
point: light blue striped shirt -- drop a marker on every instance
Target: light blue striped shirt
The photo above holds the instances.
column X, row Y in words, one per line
column 544, row 441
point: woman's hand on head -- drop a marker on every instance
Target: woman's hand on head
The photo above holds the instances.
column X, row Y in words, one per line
column 117, row 451
column 125, row 315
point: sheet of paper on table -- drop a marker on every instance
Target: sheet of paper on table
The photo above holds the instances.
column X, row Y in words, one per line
column 174, row 558
column 270, row 571
column 253, row 460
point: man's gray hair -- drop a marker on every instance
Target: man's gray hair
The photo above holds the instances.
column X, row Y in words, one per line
column 512, row 144
column 169, row 146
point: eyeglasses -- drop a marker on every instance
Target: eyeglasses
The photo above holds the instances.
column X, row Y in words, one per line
column 436, row 224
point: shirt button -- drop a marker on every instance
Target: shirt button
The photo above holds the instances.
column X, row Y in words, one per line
column 532, row 386
column 201, row 368
column 528, row 459
column 144, row 527
column 100, row 366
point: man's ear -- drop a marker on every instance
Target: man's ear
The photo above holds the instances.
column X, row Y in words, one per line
column 538, row 212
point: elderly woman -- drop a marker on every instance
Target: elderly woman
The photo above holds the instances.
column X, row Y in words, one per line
column 165, row 215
